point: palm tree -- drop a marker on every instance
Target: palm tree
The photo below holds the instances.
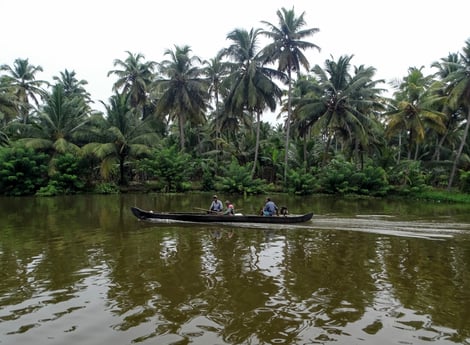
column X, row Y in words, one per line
column 414, row 110
column 58, row 125
column 22, row 77
column 216, row 70
column 73, row 86
column 287, row 49
column 120, row 136
column 135, row 78
column 444, row 67
column 8, row 104
column 184, row 96
column 459, row 96
column 251, row 84
column 340, row 104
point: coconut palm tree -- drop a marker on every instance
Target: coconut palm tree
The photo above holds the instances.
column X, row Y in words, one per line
column 182, row 88
column 252, row 87
column 459, row 96
column 287, row 49
column 22, row 77
column 414, row 110
column 448, row 141
column 58, row 124
column 8, row 104
column 73, row 86
column 135, row 77
column 216, row 70
column 340, row 104
column 120, row 136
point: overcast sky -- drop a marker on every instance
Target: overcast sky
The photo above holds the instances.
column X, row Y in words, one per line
column 87, row 35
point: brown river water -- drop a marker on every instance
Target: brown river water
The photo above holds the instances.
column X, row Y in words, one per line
column 83, row 270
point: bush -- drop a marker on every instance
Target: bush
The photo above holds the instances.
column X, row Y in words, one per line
column 106, row 188
column 464, row 181
column 170, row 167
column 407, row 177
column 238, row 179
column 300, row 182
column 22, row 171
column 342, row 177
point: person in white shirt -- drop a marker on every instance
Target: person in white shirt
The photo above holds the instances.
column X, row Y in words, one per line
column 216, row 205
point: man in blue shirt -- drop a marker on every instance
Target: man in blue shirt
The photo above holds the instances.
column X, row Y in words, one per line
column 270, row 208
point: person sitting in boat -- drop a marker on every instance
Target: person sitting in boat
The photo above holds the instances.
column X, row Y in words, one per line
column 230, row 209
column 270, row 208
column 216, row 205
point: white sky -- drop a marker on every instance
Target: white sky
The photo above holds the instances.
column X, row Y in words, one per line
column 87, row 35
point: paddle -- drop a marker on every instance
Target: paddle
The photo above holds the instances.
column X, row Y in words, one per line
column 214, row 212
column 205, row 209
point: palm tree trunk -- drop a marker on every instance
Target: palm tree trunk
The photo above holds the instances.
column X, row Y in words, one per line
column 399, row 148
column 289, row 111
column 181, row 128
column 410, row 144
column 459, row 152
column 416, row 152
column 257, row 144
column 121, row 171
column 437, row 153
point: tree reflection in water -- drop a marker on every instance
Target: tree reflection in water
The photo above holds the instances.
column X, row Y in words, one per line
column 82, row 268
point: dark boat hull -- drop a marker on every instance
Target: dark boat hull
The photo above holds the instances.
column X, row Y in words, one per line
column 213, row 218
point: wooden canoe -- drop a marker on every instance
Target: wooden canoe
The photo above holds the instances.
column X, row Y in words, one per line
column 215, row 218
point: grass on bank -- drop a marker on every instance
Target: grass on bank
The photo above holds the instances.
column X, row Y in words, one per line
column 443, row 196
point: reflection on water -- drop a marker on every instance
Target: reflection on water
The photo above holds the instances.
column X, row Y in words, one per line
column 83, row 270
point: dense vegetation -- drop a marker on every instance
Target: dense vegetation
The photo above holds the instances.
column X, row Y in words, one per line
column 184, row 123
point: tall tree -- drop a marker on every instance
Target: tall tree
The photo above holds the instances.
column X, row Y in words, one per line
column 184, row 93
column 444, row 67
column 120, row 136
column 22, row 77
column 135, row 77
column 341, row 104
column 216, row 70
column 58, row 124
column 459, row 96
column 72, row 86
column 287, row 49
column 252, row 87
column 414, row 110
column 8, row 104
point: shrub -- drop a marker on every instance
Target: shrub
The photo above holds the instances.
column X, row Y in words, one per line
column 169, row 166
column 22, row 171
column 464, row 181
column 342, row 177
column 300, row 182
column 238, row 179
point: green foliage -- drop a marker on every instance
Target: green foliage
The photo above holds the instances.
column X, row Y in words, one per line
column 170, row 167
column 371, row 180
column 334, row 178
column 51, row 189
column 67, row 177
column 407, row 177
column 464, row 180
column 301, row 182
column 22, row 171
column 208, row 169
column 437, row 176
column 439, row 195
column 343, row 177
column 106, row 188
column 237, row 179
